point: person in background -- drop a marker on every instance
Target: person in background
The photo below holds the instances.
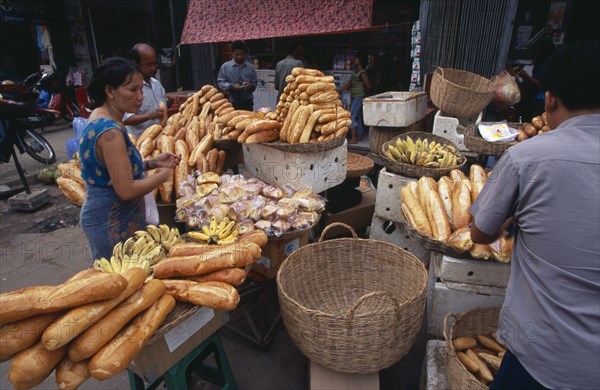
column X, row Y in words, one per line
column 549, row 188
column 284, row 67
column 111, row 165
column 536, row 100
column 359, row 85
column 150, row 112
column 238, row 78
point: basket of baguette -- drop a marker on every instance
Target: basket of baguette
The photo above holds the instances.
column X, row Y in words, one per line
column 341, row 304
column 437, row 215
column 473, row 354
column 418, row 154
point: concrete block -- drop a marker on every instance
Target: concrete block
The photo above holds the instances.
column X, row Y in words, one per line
column 453, row 129
column 29, row 202
column 395, row 233
column 479, row 272
column 388, row 201
column 433, row 374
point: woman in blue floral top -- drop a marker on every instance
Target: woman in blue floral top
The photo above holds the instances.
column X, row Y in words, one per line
column 111, row 165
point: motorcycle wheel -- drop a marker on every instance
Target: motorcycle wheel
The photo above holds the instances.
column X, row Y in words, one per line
column 71, row 111
column 38, row 147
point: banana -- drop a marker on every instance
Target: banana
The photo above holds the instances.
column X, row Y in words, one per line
column 106, row 267
column 116, row 264
column 222, row 225
column 172, row 234
column 97, row 265
column 410, row 142
column 148, row 248
column 156, row 255
column 125, row 263
column 146, row 266
column 213, row 226
column 390, row 155
column 230, row 239
column 128, row 246
column 140, row 243
column 118, row 250
column 227, row 231
column 143, row 233
column 199, row 236
column 154, row 232
column 206, row 230
column 164, row 232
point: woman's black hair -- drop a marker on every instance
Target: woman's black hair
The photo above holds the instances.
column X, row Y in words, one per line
column 113, row 72
column 364, row 59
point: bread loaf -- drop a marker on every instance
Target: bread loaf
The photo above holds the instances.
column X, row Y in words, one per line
column 460, row 240
column 299, row 71
column 481, row 251
column 461, row 203
column 239, row 256
column 150, row 132
column 419, row 217
column 232, row 276
column 330, row 117
column 97, row 335
column 182, row 170
column 70, row 375
column 445, row 191
column 17, row 336
column 437, row 214
column 31, row 301
column 256, row 236
column 476, row 173
column 262, row 136
column 502, row 249
column 73, row 323
column 456, row 175
column 476, row 188
column 72, row 190
column 31, row 366
column 289, row 119
column 147, row 147
column 193, row 248
column 297, row 125
column 319, row 87
column 216, row 295
column 115, row 356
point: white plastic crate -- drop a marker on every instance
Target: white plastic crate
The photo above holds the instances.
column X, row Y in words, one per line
column 388, row 200
column 453, row 129
column 395, row 233
column 394, row 109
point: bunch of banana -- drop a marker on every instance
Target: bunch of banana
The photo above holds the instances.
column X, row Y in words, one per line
column 424, row 153
column 220, row 233
column 144, row 250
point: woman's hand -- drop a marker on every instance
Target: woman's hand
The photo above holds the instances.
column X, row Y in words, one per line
column 165, row 160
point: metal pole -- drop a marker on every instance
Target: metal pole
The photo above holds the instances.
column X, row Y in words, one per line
column 94, row 37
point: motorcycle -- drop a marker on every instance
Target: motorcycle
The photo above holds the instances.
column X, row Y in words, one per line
column 53, row 95
column 16, row 132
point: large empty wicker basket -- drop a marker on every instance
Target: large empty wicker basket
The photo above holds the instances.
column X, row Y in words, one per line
column 460, row 93
column 350, row 304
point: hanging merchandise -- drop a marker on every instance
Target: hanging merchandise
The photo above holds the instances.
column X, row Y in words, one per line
column 415, row 77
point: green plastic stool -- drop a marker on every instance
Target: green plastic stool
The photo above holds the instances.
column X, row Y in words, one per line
column 177, row 377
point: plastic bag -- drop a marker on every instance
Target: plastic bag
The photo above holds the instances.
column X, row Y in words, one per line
column 507, row 92
column 497, row 131
column 151, row 209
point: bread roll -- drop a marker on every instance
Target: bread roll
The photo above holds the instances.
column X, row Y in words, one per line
column 97, row 335
column 418, row 214
column 216, row 295
column 115, row 356
column 460, row 240
column 72, row 190
column 232, row 276
column 502, row 249
column 31, row 366
column 262, row 136
column 476, row 173
column 461, row 202
column 436, row 213
column 239, row 256
column 456, row 175
column 469, row 364
column 71, row 324
column 445, row 191
column 481, row 251
column 70, row 375
column 257, row 236
column 16, row 336
column 31, row 301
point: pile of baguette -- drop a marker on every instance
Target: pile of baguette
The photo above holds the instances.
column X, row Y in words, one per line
column 310, row 108
column 481, row 357
column 441, row 210
column 92, row 325
column 249, row 127
column 70, row 182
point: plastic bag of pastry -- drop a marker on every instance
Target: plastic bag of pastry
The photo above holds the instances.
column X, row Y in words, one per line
column 187, row 187
column 312, row 204
column 285, row 212
column 219, row 212
column 273, row 192
column 312, row 217
column 460, row 240
column 253, row 186
column 303, row 193
column 186, row 201
column 239, row 210
column 269, row 212
column 289, row 202
column 245, row 226
column 299, row 223
column 256, row 206
column 502, row 248
column 279, row 227
column 265, row 226
column 230, row 193
column 228, row 179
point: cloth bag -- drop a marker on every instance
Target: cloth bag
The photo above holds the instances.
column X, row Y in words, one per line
column 151, row 209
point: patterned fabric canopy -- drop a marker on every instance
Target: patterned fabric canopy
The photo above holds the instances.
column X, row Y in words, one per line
column 227, row 20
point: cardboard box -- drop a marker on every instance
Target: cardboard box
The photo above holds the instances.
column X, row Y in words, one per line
column 275, row 252
column 322, row 378
column 167, row 349
column 359, row 217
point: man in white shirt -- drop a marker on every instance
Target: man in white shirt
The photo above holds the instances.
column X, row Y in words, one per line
column 150, row 112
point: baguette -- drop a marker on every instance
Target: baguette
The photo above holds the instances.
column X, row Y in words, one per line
column 31, row 301
column 191, row 134
column 73, row 323
column 492, row 361
column 17, row 336
column 456, row 175
column 115, row 356
column 298, row 121
column 332, row 116
column 290, row 119
column 232, row 276
column 237, row 119
column 182, row 170
column 146, row 148
column 262, row 136
column 341, row 132
column 239, row 256
column 445, row 191
column 212, row 157
column 484, row 373
column 319, row 87
column 460, row 240
column 481, row 251
column 97, row 335
column 257, row 236
column 461, row 203
column 313, row 79
column 223, row 119
column 324, row 97
column 31, row 366
column 216, row 295
column 220, row 161
column 223, row 109
column 469, row 364
column 195, row 249
column 476, row 173
column 502, row 249
column 308, row 127
column 476, row 187
column 298, row 71
column 490, row 344
column 423, row 187
column 419, row 216
column 331, row 127
column 437, row 214
column 150, row 132
column 217, row 96
column 70, row 375
column 461, row 343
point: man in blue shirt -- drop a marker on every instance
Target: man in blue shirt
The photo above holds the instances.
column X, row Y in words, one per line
column 238, row 78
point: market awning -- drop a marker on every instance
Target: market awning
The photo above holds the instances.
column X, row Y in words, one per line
column 228, row 20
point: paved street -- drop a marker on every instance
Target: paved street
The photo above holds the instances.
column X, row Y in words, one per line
column 47, row 246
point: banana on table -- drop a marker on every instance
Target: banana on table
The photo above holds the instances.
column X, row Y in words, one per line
column 220, row 233
column 424, row 153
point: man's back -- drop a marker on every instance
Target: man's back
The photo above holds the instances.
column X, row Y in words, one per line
column 284, row 68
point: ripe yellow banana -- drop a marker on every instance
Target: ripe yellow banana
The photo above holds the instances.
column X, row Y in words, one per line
column 106, row 267
column 154, row 232
column 118, row 250
column 199, row 236
column 116, row 264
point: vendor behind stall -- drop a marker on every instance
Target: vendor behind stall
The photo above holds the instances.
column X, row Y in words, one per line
column 238, row 78
column 549, row 186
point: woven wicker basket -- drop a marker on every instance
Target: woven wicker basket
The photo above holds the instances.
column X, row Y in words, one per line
column 475, row 142
column 380, row 135
column 358, row 165
column 460, row 93
column 417, row 171
column 307, row 147
column 470, row 324
column 350, row 304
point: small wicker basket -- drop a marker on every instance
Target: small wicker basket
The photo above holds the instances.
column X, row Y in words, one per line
column 417, row 171
column 460, row 93
column 469, row 324
column 358, row 165
column 350, row 304
column 475, row 142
